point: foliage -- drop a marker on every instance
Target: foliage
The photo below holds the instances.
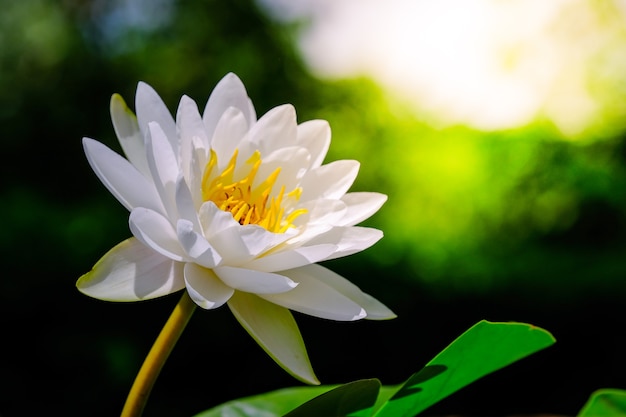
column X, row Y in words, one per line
column 484, row 348
column 605, row 403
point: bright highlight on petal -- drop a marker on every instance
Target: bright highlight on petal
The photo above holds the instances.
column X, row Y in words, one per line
column 236, row 211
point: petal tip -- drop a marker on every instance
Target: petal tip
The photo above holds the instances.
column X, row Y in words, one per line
column 362, row 314
column 83, row 281
column 117, row 99
column 311, row 380
column 142, row 85
column 382, row 314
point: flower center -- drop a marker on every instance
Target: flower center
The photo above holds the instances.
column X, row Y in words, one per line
column 250, row 205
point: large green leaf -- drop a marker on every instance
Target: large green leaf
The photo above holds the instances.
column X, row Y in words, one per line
column 605, row 403
column 484, row 348
column 271, row 404
column 277, row 403
column 346, row 400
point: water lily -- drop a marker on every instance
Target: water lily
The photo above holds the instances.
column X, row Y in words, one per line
column 237, row 211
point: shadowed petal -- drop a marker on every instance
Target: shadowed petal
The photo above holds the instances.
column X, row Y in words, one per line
column 196, row 246
column 163, row 166
column 129, row 135
column 190, row 126
column 185, row 205
column 155, row 231
column 122, row 179
column 254, row 281
column 214, row 220
column 230, row 245
column 275, row 330
column 205, row 288
column 315, row 298
column 374, row 308
column 198, row 163
column 132, row 271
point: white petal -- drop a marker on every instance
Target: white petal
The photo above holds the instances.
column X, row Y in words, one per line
column 185, row 205
column 315, row 136
column 361, row 206
column 349, row 240
column 129, row 135
column 229, row 92
column 322, row 211
column 196, row 246
column 198, row 164
column 374, row 308
column 214, row 220
column 275, row 330
column 258, row 240
column 163, row 166
column 306, row 233
column 155, row 231
column 292, row 161
column 230, row 129
column 316, row 298
column 189, row 123
column 330, row 180
column 275, row 129
column 230, row 246
column 205, row 288
column 254, row 281
column 121, row 178
column 292, row 258
column 131, row 272
column 319, row 218
column 150, row 108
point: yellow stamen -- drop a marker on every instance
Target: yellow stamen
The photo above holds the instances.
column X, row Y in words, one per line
column 234, row 193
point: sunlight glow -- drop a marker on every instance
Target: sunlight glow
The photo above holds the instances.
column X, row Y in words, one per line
column 486, row 63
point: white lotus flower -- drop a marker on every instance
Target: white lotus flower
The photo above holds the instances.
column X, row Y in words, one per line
column 237, row 211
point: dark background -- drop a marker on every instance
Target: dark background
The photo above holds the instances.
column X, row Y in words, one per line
column 63, row 353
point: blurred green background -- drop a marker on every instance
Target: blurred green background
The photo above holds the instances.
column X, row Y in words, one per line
column 524, row 222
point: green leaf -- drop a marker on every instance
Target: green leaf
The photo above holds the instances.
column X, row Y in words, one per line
column 346, row 400
column 484, row 348
column 605, row 403
column 271, row 404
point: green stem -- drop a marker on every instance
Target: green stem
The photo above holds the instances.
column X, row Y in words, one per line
column 139, row 392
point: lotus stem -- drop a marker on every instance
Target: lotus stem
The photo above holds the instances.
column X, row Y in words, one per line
column 160, row 351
